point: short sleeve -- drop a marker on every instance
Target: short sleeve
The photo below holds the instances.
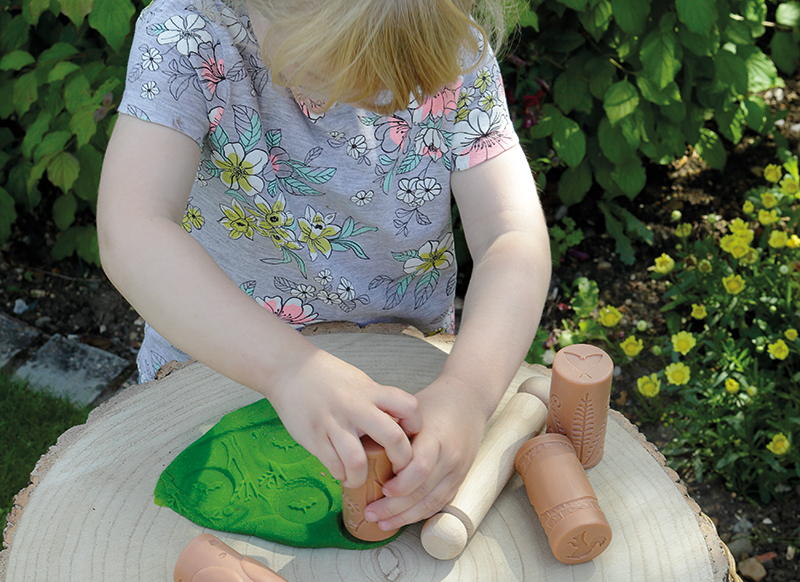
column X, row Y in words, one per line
column 482, row 127
column 171, row 69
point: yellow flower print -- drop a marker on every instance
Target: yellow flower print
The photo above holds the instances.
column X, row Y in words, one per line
column 240, row 168
column 732, row 386
column 790, row 334
column 315, row 230
column 483, row 80
column 793, row 242
column 748, row 207
column 767, row 217
column 683, row 230
column 632, row 346
column 649, row 386
column 768, row 200
column 664, row 264
column 779, row 445
column 734, row 284
column 192, row 218
column 778, row 350
column 274, row 222
column 778, row 239
column 678, row 373
column 683, row 342
column 609, row 316
column 773, row 173
column 790, row 186
column 699, row 311
column 237, row 222
column 433, row 255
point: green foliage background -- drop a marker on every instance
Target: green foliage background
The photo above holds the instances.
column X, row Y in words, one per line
column 628, row 82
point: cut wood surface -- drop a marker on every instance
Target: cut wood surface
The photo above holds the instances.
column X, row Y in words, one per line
column 89, row 514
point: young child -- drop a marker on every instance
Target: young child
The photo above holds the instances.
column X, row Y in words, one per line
column 278, row 163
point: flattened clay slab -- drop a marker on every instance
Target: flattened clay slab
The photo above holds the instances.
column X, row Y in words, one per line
column 247, row 475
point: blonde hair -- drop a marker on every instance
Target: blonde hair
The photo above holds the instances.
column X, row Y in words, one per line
column 379, row 52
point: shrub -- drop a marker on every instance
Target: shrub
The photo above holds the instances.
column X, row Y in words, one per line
column 600, row 88
column 61, row 73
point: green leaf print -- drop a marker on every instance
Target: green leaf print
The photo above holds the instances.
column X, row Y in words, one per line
column 396, row 290
column 219, row 139
column 273, row 138
column 299, row 188
column 313, row 175
column 343, row 245
column 425, row 287
column 288, row 257
column 410, row 163
column 248, row 124
column 403, row 257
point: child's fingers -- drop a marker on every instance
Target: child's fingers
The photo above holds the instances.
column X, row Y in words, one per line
column 426, row 507
column 402, row 406
column 351, row 456
column 384, row 430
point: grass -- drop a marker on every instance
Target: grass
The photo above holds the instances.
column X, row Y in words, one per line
column 30, row 422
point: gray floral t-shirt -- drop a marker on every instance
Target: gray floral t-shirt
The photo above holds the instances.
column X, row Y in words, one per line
column 341, row 215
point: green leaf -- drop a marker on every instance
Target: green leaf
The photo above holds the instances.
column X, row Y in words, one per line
column 25, row 93
column 788, row 14
column 614, row 227
column 761, row 71
column 631, row 177
column 702, row 45
column 577, row 5
column 569, row 141
column 620, row 100
column 698, row 15
column 597, row 18
column 57, row 52
column 661, row 56
column 52, row 143
column 8, row 214
column 61, row 70
column 710, row 149
column 631, row 15
column 575, row 183
column 83, row 125
column 76, row 10
column 785, row 51
column 91, row 162
column 77, row 93
column 527, row 17
column 546, row 123
column 63, row 170
column 33, row 9
column 730, row 70
column 35, row 133
column 14, row 61
column 613, row 142
column 657, row 95
column 601, row 73
column 757, row 113
column 64, row 209
column 16, row 33
column 112, row 19
column 731, row 122
column 570, row 92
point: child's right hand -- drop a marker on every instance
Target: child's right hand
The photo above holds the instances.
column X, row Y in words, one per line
column 327, row 405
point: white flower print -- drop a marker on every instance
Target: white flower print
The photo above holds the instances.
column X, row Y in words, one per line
column 433, row 255
column 405, row 190
column 430, row 142
column 426, row 190
column 346, row 290
column 324, row 277
column 150, row 90
column 304, row 292
column 187, row 35
column 234, row 25
column 362, row 197
column 240, row 169
column 151, row 59
column 329, row 297
column 356, row 146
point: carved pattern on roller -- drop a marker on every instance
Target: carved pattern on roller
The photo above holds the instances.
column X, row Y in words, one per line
column 550, row 518
column 583, row 428
column 373, row 492
column 554, row 423
column 526, row 459
column 583, row 548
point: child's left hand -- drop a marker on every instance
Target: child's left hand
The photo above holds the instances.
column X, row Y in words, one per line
column 453, row 421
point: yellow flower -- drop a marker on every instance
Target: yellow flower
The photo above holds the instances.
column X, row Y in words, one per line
column 767, row 217
column 699, row 311
column 739, row 247
column 778, row 350
column 793, row 242
column 790, row 186
column 664, row 264
column 790, row 334
column 678, row 373
column 683, row 342
column 734, row 284
column 732, row 386
column 773, row 173
column 609, row 316
column 751, row 258
column 649, row 385
column 768, row 200
column 631, row 346
column 748, row 207
column 705, row 266
column 778, row 239
column 739, row 226
column 780, row 444
column 683, row 230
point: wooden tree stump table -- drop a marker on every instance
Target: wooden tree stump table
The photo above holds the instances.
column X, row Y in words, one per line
column 89, row 515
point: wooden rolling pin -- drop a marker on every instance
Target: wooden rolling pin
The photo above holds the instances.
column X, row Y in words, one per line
column 444, row 536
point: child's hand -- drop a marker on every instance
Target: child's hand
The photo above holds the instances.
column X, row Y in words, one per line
column 327, row 405
column 452, row 428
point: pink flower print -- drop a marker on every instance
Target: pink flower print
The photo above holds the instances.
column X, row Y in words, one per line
column 293, row 311
column 213, row 118
column 392, row 133
column 430, row 141
column 440, row 104
column 279, row 160
column 213, row 71
column 481, row 136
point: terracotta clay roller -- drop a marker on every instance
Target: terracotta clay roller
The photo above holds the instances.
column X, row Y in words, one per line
column 579, row 393
column 356, row 500
column 563, row 498
column 207, row 559
column 444, row 536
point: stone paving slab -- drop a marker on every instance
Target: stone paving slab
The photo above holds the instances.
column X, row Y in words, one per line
column 68, row 368
column 15, row 336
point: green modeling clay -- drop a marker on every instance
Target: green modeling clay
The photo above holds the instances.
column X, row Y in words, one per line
column 248, row 476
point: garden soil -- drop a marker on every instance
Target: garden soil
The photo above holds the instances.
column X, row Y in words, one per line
column 72, row 298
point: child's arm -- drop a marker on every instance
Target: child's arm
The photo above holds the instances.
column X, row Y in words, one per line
column 325, row 403
column 507, row 236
